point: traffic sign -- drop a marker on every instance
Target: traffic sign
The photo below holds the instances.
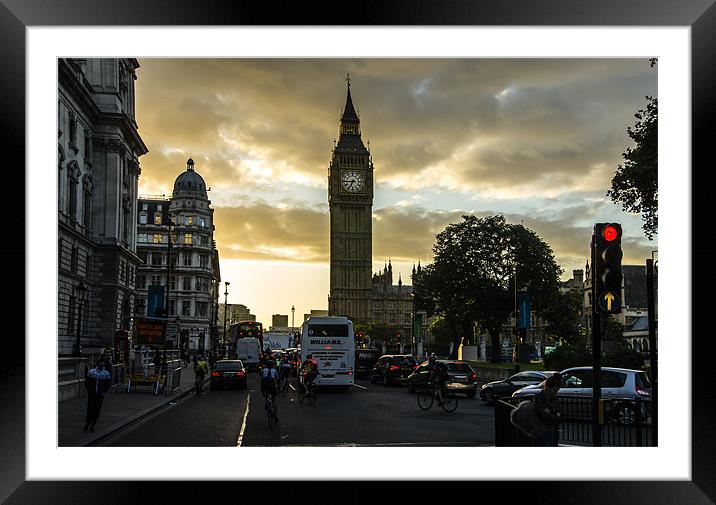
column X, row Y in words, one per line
column 607, row 267
column 610, row 302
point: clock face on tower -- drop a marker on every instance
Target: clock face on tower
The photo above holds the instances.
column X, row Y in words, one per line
column 352, row 181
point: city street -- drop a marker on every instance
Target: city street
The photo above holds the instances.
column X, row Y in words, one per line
column 366, row 415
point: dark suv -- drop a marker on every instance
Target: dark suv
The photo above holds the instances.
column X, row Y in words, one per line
column 393, row 368
column 461, row 377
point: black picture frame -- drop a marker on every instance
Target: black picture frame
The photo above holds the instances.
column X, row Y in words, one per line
column 700, row 15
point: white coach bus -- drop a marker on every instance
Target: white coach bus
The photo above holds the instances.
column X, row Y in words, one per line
column 331, row 342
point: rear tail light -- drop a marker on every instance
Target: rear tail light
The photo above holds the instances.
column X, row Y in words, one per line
column 394, row 367
column 642, row 392
column 473, row 377
column 241, row 373
column 350, row 371
column 215, row 374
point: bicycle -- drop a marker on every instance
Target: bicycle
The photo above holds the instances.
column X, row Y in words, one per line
column 198, row 383
column 270, row 410
column 283, row 386
column 427, row 396
column 308, row 390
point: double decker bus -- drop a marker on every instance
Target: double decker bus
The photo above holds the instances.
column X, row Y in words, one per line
column 331, row 342
column 246, row 329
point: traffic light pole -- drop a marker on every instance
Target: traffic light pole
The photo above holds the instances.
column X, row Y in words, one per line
column 652, row 350
column 596, row 354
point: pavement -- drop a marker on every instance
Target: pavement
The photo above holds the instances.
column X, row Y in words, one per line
column 119, row 409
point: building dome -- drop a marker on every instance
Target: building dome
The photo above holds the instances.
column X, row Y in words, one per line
column 190, row 180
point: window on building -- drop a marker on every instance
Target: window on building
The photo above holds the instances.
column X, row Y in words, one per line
column 202, row 222
column 71, row 315
column 187, row 259
column 186, row 283
column 201, row 308
column 188, row 220
column 157, row 218
column 145, row 206
column 73, row 260
column 204, row 240
column 157, row 259
column 140, row 306
column 172, row 307
column 156, row 281
column 143, row 255
column 73, row 129
column 203, row 261
column 186, row 308
column 88, row 147
column 157, row 239
column 173, row 283
column 159, row 207
column 141, row 282
column 187, row 238
column 143, row 218
column 87, row 206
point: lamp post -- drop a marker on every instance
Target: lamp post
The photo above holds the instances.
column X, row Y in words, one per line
column 226, row 305
column 81, row 291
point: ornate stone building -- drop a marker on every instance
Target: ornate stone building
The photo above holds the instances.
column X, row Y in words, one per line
column 98, row 170
column 192, row 258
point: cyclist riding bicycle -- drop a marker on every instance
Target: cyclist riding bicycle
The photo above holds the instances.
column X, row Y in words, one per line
column 308, row 371
column 200, row 371
column 269, row 385
column 285, row 368
column 437, row 374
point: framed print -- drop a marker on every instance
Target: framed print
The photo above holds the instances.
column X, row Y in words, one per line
column 377, row 37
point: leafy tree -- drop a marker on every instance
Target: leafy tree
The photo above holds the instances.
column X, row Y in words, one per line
column 624, row 357
column 565, row 316
column 472, row 277
column 634, row 184
column 567, row 356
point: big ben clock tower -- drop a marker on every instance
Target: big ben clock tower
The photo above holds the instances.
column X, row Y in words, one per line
column 350, row 202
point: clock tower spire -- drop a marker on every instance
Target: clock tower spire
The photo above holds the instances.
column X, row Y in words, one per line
column 350, row 202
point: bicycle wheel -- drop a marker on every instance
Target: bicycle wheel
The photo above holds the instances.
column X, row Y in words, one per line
column 312, row 396
column 269, row 412
column 425, row 399
column 301, row 393
column 449, row 403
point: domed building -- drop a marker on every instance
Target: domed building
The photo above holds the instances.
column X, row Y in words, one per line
column 191, row 261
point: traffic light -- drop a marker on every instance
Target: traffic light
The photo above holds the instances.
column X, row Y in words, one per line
column 398, row 336
column 607, row 267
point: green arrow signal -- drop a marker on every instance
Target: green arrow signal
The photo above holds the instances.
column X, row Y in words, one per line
column 609, row 298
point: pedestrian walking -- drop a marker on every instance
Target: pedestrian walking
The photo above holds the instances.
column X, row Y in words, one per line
column 547, row 410
column 97, row 383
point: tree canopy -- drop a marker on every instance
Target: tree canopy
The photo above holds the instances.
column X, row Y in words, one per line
column 472, row 277
column 635, row 183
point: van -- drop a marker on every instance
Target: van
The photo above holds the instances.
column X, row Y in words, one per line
column 248, row 350
column 365, row 361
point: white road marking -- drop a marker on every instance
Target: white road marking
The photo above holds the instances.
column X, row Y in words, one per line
column 358, row 386
column 243, row 424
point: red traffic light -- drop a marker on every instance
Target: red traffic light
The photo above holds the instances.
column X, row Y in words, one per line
column 610, row 233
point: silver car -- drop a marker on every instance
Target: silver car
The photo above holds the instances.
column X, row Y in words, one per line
column 617, row 384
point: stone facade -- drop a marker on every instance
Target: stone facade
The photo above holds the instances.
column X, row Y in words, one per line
column 98, row 171
column 194, row 276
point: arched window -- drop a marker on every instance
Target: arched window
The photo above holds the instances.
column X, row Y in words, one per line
column 87, row 202
column 645, row 345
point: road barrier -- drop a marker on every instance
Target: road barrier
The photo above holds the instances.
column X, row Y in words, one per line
column 625, row 422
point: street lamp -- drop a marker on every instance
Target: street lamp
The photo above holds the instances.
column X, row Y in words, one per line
column 413, row 342
column 81, row 291
column 226, row 301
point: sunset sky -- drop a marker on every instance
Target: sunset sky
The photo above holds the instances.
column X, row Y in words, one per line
column 537, row 140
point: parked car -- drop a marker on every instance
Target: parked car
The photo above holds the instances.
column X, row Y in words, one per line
column 228, row 373
column 393, row 368
column 365, row 361
column 505, row 387
column 462, row 377
column 621, row 386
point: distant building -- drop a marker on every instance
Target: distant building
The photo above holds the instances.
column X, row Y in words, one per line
column 279, row 321
column 98, row 146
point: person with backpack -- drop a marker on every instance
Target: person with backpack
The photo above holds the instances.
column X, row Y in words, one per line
column 269, row 384
column 199, row 371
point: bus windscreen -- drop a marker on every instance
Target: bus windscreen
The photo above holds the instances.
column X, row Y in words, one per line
column 328, row 330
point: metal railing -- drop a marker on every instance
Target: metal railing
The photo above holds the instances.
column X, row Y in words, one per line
column 71, row 369
column 624, row 422
column 173, row 376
